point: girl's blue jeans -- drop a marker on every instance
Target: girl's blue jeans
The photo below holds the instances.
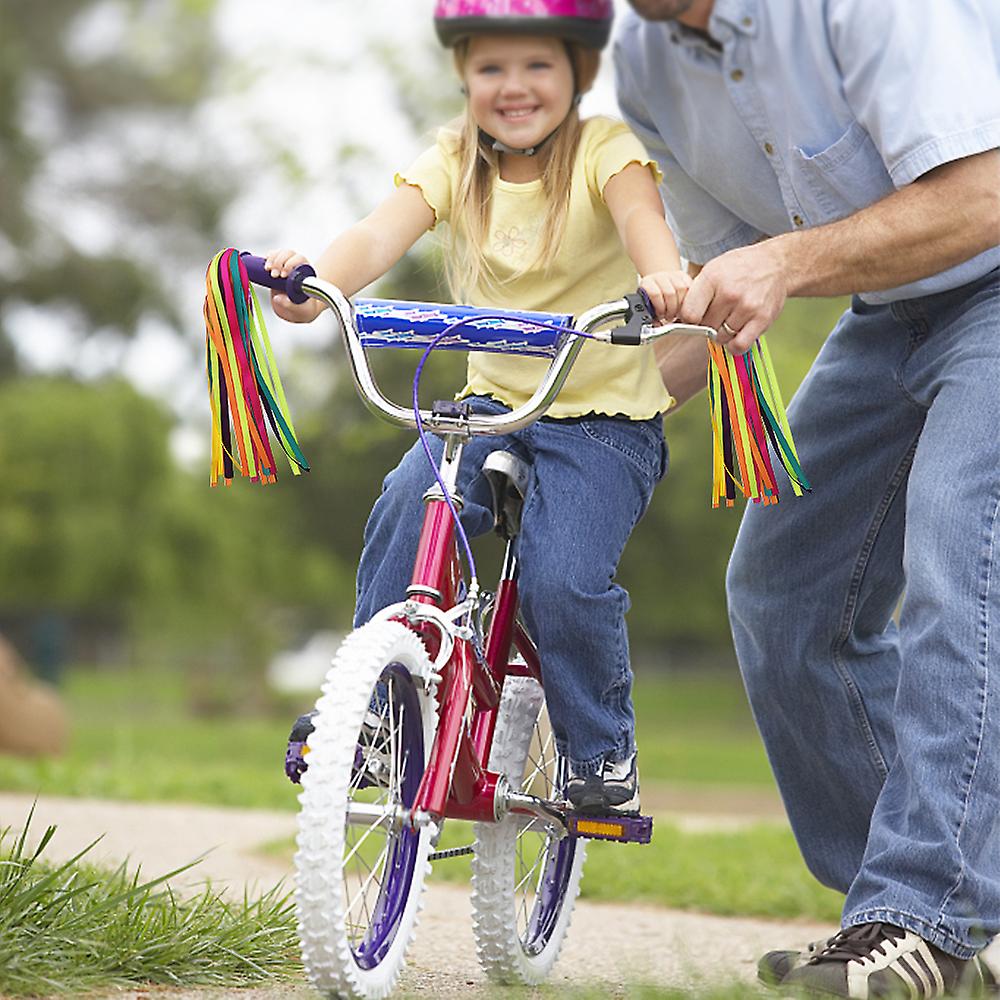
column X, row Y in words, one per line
column 885, row 737
column 592, row 481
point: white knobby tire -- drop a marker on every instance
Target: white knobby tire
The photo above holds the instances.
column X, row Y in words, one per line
column 511, row 859
column 358, row 950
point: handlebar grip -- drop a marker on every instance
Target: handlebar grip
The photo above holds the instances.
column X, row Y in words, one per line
column 291, row 286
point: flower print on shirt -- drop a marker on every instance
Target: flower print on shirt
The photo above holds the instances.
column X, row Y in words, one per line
column 512, row 243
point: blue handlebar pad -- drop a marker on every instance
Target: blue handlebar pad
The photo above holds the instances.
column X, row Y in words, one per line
column 389, row 323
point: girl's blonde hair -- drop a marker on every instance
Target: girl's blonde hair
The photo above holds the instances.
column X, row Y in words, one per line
column 472, row 198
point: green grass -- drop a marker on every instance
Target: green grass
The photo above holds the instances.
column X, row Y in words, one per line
column 696, row 729
column 135, row 736
column 629, row 991
column 74, row 927
column 756, row 871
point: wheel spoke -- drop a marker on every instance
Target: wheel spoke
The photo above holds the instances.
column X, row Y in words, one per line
column 369, row 830
column 374, row 870
column 362, row 892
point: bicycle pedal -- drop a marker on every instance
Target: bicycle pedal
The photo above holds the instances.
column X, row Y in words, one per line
column 625, row 829
column 295, row 762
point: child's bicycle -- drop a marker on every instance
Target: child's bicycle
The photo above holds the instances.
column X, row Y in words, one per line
column 435, row 709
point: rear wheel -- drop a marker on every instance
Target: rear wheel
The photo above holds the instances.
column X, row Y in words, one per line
column 525, row 880
column 359, row 870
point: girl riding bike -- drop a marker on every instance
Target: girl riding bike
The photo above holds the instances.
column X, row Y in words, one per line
column 552, row 213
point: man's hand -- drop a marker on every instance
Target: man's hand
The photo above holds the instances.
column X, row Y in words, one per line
column 739, row 294
column 945, row 217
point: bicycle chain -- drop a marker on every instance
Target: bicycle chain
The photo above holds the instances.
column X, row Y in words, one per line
column 452, row 852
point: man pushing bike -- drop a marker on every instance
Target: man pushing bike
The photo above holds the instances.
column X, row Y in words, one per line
column 832, row 148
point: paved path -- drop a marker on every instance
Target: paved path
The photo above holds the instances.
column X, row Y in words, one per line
column 635, row 944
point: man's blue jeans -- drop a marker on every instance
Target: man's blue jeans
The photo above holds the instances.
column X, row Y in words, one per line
column 592, row 481
column 885, row 740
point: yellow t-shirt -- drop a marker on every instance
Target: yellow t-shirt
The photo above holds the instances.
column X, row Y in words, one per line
column 590, row 267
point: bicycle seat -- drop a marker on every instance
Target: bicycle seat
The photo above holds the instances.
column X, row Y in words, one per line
column 508, row 477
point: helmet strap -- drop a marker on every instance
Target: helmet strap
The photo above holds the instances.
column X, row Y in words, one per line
column 501, row 147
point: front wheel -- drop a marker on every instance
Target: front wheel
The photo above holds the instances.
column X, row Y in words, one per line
column 525, row 880
column 359, row 871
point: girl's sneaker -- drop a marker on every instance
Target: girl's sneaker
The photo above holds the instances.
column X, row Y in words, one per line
column 296, row 750
column 371, row 760
column 613, row 792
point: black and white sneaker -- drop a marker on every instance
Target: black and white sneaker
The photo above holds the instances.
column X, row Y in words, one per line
column 879, row 960
column 775, row 965
column 615, row 791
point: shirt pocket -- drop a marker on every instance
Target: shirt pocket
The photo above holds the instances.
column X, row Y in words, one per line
column 842, row 178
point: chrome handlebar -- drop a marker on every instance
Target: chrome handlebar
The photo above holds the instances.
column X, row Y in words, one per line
column 481, row 423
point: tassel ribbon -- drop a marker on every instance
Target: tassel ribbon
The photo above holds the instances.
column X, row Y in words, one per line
column 748, row 425
column 245, row 392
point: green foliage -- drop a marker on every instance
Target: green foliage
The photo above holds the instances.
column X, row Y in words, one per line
column 85, row 471
column 697, row 730
column 75, row 927
column 64, row 103
column 99, row 523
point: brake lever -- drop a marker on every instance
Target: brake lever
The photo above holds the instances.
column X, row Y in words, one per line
column 640, row 325
column 638, row 316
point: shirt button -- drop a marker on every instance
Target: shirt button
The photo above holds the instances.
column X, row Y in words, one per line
column 736, row 75
column 675, row 38
column 798, row 220
column 769, row 149
column 747, row 22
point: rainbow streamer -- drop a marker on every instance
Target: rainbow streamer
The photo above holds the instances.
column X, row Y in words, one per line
column 244, row 390
column 748, row 425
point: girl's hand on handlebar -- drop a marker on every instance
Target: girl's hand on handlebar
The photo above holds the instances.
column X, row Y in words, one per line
column 666, row 291
column 281, row 263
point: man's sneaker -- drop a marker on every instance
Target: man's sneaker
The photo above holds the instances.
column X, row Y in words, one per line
column 879, row 960
column 775, row 965
column 615, row 791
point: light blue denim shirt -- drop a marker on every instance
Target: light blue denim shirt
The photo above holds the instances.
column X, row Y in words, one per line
column 808, row 110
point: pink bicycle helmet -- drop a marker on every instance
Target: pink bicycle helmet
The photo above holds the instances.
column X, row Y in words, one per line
column 585, row 21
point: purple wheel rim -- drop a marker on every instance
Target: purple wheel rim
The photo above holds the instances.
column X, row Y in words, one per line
column 551, row 895
column 401, row 862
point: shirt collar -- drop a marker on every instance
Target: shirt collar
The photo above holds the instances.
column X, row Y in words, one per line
column 728, row 16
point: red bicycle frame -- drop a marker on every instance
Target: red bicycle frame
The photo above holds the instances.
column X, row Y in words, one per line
column 456, row 783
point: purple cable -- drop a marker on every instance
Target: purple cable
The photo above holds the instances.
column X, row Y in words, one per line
column 422, row 434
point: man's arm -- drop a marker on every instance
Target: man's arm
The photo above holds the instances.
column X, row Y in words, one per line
column 946, row 216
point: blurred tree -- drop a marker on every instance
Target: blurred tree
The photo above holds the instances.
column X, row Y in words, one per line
column 100, row 171
column 84, row 469
column 99, row 524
